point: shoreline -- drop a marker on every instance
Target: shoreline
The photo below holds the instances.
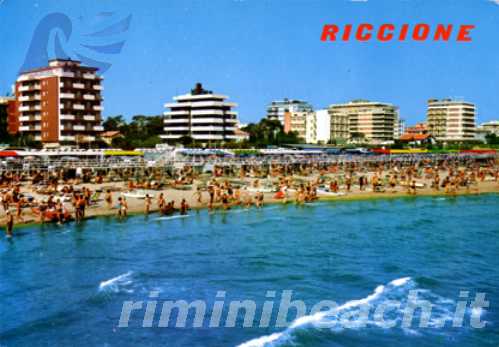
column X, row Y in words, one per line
column 136, row 206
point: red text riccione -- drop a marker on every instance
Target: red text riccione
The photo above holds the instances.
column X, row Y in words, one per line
column 390, row 32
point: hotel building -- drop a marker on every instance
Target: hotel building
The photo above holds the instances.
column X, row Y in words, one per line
column 277, row 109
column 201, row 115
column 338, row 124
column 303, row 123
column 377, row 122
column 59, row 103
column 491, row 127
column 323, row 123
column 451, row 120
column 10, row 123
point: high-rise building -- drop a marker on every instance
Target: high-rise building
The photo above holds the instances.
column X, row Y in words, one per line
column 374, row 122
column 9, row 124
column 491, row 127
column 323, row 121
column 400, row 129
column 338, row 124
column 303, row 123
column 277, row 109
column 451, row 120
column 59, row 103
column 201, row 115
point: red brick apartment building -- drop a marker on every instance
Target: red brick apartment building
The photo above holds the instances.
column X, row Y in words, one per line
column 59, row 103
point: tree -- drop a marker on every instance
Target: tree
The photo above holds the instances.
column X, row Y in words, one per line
column 114, row 123
column 186, row 140
column 122, row 142
column 492, row 139
column 357, row 137
column 142, row 131
column 269, row 132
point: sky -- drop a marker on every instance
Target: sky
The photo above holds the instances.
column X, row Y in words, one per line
column 256, row 51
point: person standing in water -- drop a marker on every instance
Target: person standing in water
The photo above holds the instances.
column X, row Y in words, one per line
column 183, row 207
column 211, row 192
column 147, row 202
column 122, row 207
column 161, row 201
column 9, row 224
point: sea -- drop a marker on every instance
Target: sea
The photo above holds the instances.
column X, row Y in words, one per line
column 343, row 273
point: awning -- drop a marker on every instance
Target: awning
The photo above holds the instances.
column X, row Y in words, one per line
column 4, row 154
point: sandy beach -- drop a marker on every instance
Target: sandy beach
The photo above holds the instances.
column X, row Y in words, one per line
column 137, row 206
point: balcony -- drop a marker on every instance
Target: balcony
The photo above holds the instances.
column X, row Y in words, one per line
column 98, row 87
column 66, row 138
column 29, row 88
column 30, row 98
column 89, row 76
column 89, row 117
column 67, row 96
column 207, row 128
column 66, row 74
column 206, row 120
column 78, row 85
column 78, row 107
column 170, row 136
column 207, row 137
column 176, row 121
column 207, row 112
column 98, row 128
column 88, row 97
column 35, row 118
column 67, row 117
column 206, row 104
column 30, row 128
column 175, row 128
column 176, row 113
column 98, row 108
column 79, row 128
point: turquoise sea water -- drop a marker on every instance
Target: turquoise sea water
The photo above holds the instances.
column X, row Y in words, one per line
column 65, row 285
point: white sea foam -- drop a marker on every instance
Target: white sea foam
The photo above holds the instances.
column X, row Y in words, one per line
column 114, row 284
column 397, row 289
column 400, row 281
column 173, row 217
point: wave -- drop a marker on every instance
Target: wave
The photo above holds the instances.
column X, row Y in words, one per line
column 399, row 290
column 117, row 283
column 173, row 217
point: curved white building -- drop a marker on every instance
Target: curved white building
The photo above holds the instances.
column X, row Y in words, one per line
column 201, row 115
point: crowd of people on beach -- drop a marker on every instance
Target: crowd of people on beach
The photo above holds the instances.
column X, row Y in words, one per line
column 68, row 199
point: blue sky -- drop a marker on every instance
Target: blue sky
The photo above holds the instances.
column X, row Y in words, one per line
column 256, row 51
